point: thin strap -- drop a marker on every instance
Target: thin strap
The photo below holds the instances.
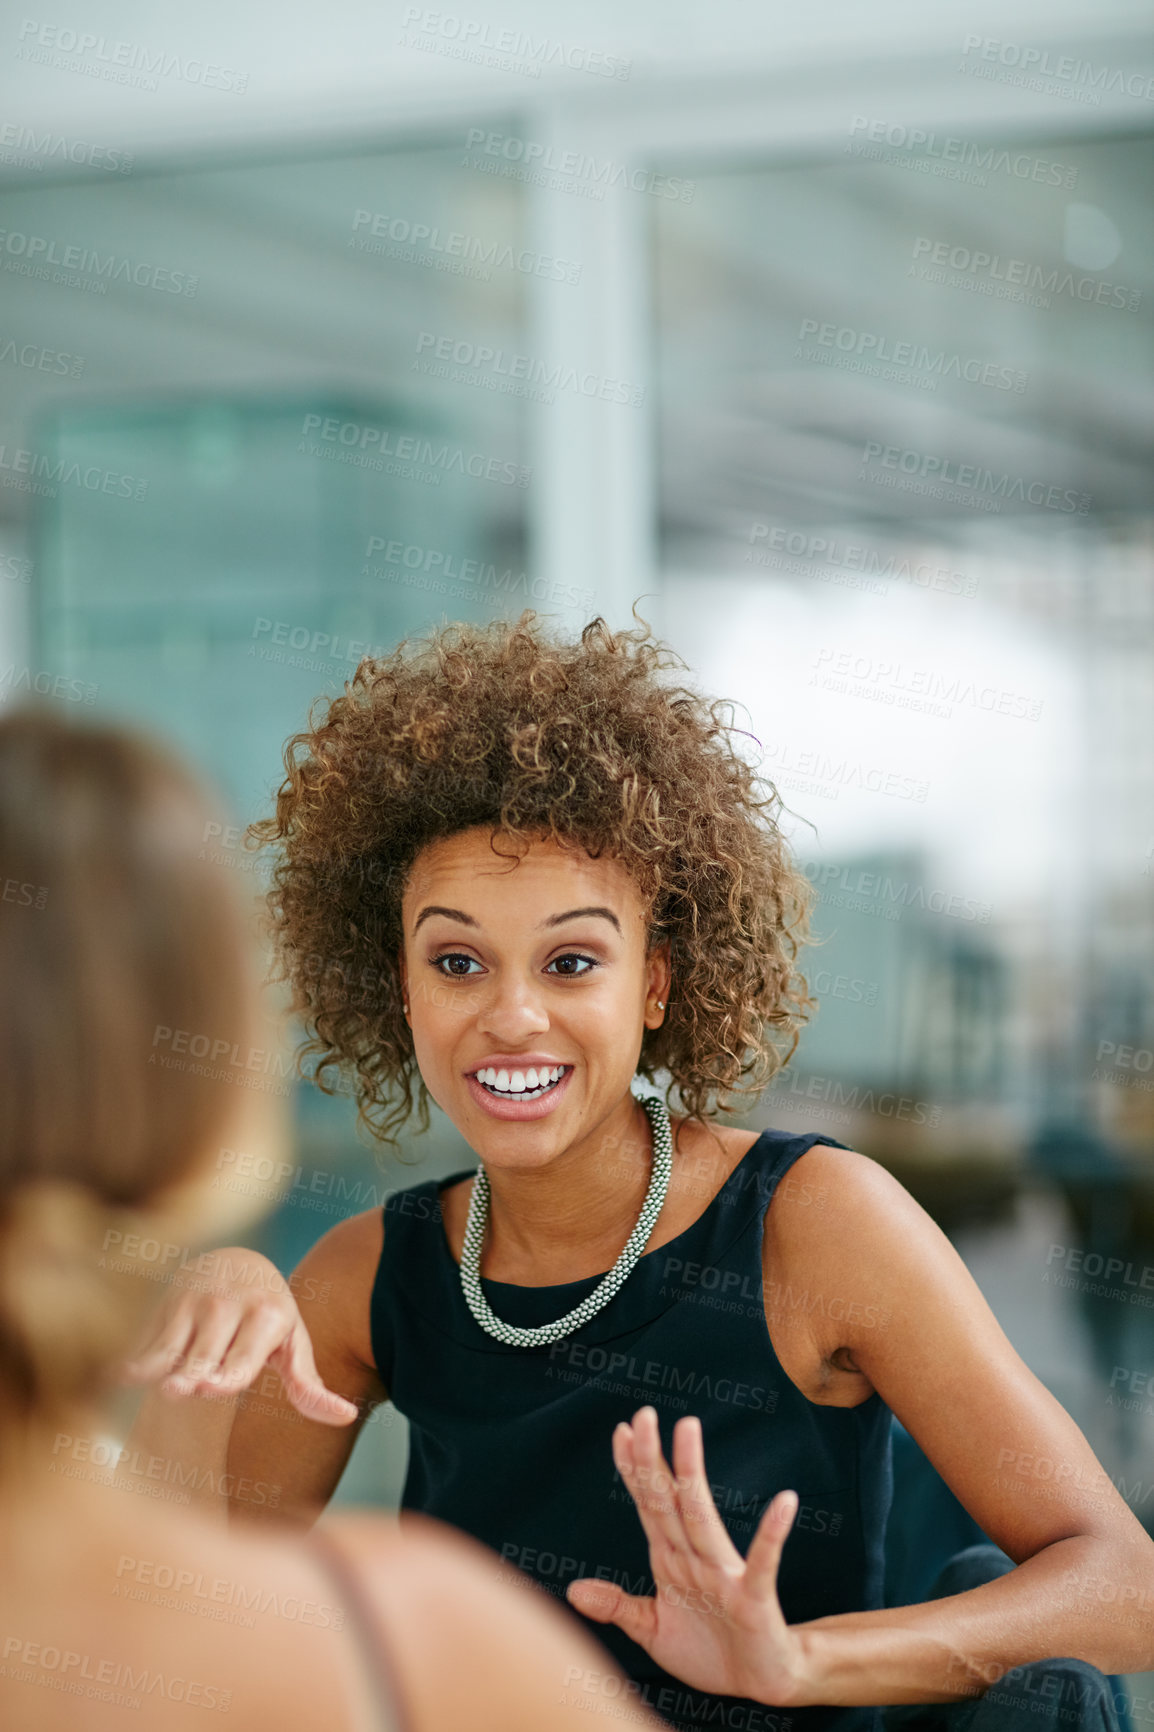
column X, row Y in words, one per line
column 366, row 1625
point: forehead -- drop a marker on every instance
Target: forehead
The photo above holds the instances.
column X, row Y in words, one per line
column 546, row 868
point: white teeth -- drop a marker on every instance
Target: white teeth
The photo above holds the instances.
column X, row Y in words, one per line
column 521, row 1084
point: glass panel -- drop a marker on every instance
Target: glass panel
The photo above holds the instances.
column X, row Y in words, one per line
column 262, row 456
column 905, row 520
column 285, row 475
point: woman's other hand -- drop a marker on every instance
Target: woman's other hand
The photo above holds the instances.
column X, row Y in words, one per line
column 715, row 1621
column 216, row 1332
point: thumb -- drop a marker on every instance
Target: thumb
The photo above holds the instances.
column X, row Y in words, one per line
column 606, row 1603
column 303, row 1386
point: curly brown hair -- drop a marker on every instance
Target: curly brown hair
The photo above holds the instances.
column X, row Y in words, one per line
column 509, row 726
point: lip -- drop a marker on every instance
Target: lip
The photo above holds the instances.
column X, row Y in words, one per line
column 516, row 1061
column 510, row 1110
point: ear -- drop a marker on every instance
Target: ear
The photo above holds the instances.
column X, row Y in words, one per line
column 658, row 979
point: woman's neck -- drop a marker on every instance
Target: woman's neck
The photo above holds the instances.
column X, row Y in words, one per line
column 58, row 1462
column 564, row 1221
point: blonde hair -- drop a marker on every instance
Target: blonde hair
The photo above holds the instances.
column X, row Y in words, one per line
column 115, row 925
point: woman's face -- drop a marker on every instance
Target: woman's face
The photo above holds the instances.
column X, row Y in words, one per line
column 529, row 991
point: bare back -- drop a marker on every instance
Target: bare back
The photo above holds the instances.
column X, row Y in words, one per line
column 117, row 1616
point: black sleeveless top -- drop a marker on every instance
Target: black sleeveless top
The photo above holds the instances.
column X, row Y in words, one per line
column 512, row 1444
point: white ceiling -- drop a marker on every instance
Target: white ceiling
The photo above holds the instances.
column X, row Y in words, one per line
column 344, row 66
column 727, row 79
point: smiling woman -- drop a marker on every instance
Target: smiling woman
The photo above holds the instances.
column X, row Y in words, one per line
column 514, row 874
column 502, row 732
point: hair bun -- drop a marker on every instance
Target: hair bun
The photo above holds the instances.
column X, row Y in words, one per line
column 63, row 1315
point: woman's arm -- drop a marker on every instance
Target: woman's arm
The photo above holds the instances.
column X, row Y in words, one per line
column 1084, row 1586
column 282, row 1370
column 928, row 1343
column 271, row 1437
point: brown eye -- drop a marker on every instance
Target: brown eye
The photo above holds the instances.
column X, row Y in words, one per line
column 454, row 956
column 572, row 973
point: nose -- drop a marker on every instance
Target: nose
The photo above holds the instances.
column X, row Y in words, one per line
column 512, row 1011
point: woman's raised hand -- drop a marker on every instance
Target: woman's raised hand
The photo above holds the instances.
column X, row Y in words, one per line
column 715, row 1621
column 214, row 1336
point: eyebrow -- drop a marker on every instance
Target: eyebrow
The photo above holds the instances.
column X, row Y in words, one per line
column 553, row 920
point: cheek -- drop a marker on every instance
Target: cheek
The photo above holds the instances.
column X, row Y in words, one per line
column 442, row 1014
column 610, row 1007
column 437, row 1003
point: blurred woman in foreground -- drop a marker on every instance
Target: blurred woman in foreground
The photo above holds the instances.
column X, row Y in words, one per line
column 114, row 926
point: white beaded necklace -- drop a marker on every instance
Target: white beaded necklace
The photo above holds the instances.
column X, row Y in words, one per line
column 509, row 1333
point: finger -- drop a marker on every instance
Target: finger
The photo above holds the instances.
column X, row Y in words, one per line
column 606, row 1603
column 650, row 1482
column 255, row 1343
column 640, row 1487
column 217, row 1321
column 704, row 1528
column 157, row 1358
column 764, row 1556
column 303, row 1385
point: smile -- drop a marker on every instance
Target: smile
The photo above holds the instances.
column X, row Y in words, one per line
column 517, row 1085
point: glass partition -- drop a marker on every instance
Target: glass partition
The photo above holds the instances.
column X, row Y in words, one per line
column 267, row 436
column 905, row 520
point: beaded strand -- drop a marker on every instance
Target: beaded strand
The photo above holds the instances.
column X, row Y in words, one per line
column 475, row 1226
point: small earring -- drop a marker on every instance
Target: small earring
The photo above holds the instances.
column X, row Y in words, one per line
column 660, row 1004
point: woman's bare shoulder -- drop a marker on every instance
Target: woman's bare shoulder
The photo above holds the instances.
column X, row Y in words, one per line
column 332, row 1285
column 822, row 1212
column 471, row 1639
column 191, row 1613
column 819, row 1260
column 359, row 1237
column 823, row 1196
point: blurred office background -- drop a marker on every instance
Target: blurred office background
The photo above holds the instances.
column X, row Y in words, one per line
column 825, row 333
